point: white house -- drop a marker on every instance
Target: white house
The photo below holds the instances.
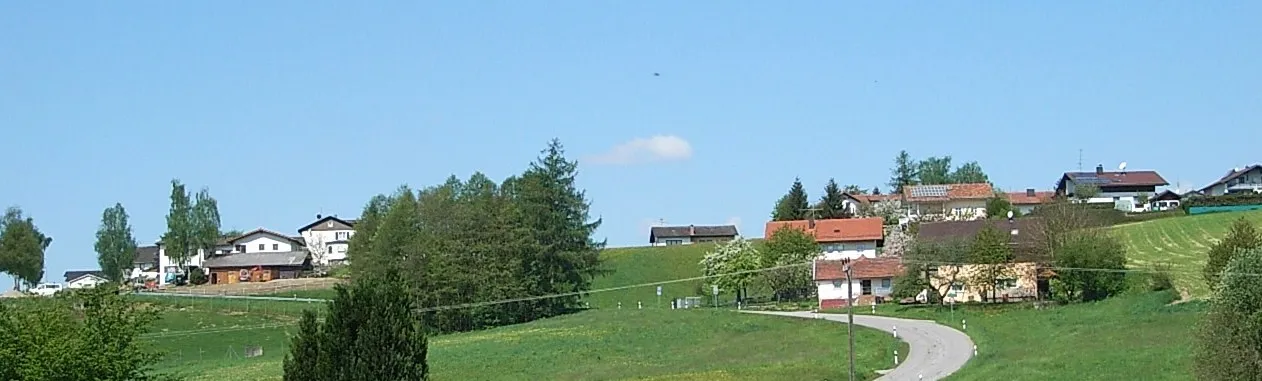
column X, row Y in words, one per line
column 328, row 239
column 84, row 279
column 1167, row 200
column 1238, row 180
column 954, row 202
column 871, row 280
column 1123, row 189
column 848, row 238
column 687, row 235
column 854, row 202
column 257, row 241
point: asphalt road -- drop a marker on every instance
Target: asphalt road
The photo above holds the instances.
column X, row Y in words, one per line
column 936, row 350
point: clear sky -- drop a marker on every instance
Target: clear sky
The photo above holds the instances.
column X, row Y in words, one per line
column 286, row 109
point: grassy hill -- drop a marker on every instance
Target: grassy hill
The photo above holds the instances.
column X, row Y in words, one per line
column 1131, row 337
column 205, row 341
column 642, row 266
column 1181, row 242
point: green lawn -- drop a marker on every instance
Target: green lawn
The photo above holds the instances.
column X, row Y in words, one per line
column 1131, row 337
column 608, row 344
column 645, row 265
column 317, row 293
column 1181, row 242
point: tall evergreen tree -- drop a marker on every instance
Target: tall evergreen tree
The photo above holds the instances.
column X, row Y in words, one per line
column 832, row 205
column 115, row 246
column 179, row 241
column 794, row 205
column 969, row 173
column 904, row 173
column 395, row 235
column 935, row 170
column 204, row 222
column 876, row 190
column 563, row 257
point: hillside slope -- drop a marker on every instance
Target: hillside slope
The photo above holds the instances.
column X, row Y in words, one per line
column 1181, row 242
column 631, row 266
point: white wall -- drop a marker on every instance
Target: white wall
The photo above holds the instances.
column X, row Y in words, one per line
column 828, row 290
column 847, row 250
column 268, row 242
column 168, row 266
column 85, row 282
column 972, row 209
column 661, row 241
column 332, row 251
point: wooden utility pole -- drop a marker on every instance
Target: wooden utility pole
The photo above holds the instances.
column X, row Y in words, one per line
column 850, row 314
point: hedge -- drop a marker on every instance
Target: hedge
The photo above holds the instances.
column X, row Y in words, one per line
column 1224, row 200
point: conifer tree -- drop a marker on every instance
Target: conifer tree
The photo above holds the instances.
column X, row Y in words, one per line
column 832, row 205
column 793, row 205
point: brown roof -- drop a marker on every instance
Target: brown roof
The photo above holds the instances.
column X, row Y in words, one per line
column 862, row 268
column 835, row 230
column 871, row 198
column 953, row 192
column 1024, row 198
column 1231, row 175
column 659, row 232
column 1025, row 242
column 1108, row 179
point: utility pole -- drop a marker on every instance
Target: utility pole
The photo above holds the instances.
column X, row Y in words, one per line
column 850, row 315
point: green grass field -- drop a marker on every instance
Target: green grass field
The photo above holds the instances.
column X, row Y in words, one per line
column 645, row 265
column 609, row 344
column 1130, row 337
column 1182, row 243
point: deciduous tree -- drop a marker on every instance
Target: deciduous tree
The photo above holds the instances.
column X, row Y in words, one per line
column 1242, row 236
column 731, row 265
column 179, row 241
column 853, row 189
column 789, row 246
column 1229, row 343
column 969, row 173
column 204, row 222
column 940, row 264
column 934, row 170
column 998, row 206
column 1090, row 266
column 22, row 248
column 115, row 246
column 991, row 256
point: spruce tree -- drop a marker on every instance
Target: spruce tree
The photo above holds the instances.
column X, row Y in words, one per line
column 302, row 361
column 793, row 205
column 366, row 227
column 833, row 202
column 904, row 172
column 115, row 246
column 561, row 257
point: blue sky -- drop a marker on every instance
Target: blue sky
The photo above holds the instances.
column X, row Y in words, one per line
column 286, row 109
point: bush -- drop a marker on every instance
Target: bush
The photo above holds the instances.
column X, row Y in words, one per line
column 372, row 332
column 1241, row 236
column 196, row 276
column 1160, row 278
column 1091, row 267
column 1224, row 200
column 87, row 334
column 1230, row 345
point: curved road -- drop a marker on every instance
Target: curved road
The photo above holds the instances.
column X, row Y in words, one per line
column 936, row 350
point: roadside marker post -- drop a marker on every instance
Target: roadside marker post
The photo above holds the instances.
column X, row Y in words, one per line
column 714, row 289
column 895, row 332
column 659, row 296
column 964, row 323
column 974, row 350
column 639, row 305
column 895, row 357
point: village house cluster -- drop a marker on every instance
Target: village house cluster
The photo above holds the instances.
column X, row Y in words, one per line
column 258, row 255
column 958, row 212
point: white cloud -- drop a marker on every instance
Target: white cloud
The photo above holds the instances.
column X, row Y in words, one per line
column 659, row 148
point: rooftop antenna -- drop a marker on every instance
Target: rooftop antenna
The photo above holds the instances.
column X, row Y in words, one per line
column 1080, row 160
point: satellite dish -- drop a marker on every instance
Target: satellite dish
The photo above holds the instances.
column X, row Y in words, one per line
column 1122, row 167
column 1009, row 214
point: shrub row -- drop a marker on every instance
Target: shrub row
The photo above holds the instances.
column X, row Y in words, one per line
column 1224, row 200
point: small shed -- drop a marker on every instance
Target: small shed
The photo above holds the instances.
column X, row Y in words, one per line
column 256, row 267
column 1167, row 200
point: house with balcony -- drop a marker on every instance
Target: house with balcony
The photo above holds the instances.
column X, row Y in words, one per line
column 952, row 202
column 256, row 241
column 328, row 239
column 1123, row 189
column 687, row 235
column 1167, row 200
column 848, row 238
column 1238, row 180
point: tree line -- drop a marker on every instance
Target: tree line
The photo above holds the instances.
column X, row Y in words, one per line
column 796, row 204
column 933, row 170
column 733, row 265
column 1229, row 337
column 462, row 242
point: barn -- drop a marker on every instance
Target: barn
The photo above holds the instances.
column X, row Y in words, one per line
column 256, row 267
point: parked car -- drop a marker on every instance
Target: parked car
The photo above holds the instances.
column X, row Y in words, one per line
column 46, row 289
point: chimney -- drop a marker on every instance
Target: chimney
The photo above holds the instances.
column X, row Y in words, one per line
column 1099, row 169
column 1029, row 192
column 692, row 230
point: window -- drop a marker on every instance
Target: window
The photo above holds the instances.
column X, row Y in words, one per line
column 836, row 284
column 330, row 250
column 240, row 248
column 1005, row 284
column 275, row 246
column 262, row 247
column 339, row 236
column 885, row 283
column 672, row 242
column 865, row 287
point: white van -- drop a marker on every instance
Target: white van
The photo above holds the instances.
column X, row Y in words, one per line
column 46, row 289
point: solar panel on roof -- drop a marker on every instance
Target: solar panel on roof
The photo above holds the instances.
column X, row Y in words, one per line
column 929, row 191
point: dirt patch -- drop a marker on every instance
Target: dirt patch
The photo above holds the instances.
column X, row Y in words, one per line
column 257, row 288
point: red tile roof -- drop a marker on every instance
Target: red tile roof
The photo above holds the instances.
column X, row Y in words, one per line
column 954, row 192
column 864, row 268
column 1113, row 179
column 1023, row 198
column 837, row 230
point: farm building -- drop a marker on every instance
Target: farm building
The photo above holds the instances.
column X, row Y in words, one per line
column 256, row 267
